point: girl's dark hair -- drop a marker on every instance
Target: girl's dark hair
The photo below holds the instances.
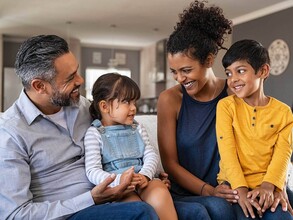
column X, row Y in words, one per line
column 112, row 86
column 249, row 50
column 199, row 32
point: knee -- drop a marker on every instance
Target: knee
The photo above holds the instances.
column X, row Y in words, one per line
column 278, row 214
column 156, row 189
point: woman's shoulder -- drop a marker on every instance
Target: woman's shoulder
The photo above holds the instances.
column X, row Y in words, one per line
column 169, row 102
column 173, row 94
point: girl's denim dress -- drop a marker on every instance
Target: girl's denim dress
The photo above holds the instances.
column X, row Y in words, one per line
column 123, row 147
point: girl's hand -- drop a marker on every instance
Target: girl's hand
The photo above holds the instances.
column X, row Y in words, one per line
column 244, row 202
column 135, row 179
column 143, row 181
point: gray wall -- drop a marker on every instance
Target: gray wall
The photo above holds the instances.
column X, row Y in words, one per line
column 266, row 30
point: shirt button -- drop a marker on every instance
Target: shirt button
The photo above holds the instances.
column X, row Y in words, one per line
column 253, row 118
column 252, row 124
column 254, row 110
column 272, row 126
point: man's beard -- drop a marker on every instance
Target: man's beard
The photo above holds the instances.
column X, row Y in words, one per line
column 59, row 99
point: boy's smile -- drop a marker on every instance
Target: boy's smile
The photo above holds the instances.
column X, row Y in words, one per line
column 244, row 81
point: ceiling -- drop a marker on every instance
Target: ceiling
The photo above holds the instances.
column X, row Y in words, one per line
column 122, row 23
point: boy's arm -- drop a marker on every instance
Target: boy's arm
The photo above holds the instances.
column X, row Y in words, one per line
column 229, row 164
column 281, row 154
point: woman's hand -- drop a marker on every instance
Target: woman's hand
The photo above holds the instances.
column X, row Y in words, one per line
column 225, row 191
column 244, row 202
column 164, row 177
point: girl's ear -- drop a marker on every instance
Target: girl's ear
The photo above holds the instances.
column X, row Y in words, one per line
column 104, row 106
column 210, row 60
column 265, row 71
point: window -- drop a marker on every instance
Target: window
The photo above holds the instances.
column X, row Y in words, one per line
column 91, row 75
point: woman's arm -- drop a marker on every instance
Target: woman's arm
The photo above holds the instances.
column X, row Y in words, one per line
column 168, row 108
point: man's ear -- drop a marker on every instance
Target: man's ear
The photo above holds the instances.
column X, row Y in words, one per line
column 38, row 85
column 210, row 60
column 104, row 106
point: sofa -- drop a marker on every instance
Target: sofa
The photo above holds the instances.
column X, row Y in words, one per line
column 150, row 123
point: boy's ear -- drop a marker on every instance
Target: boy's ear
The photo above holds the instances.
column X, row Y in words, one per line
column 265, row 71
column 104, row 106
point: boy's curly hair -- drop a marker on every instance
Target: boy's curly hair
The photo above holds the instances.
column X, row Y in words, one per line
column 199, row 32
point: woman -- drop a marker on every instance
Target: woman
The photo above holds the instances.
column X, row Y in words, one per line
column 186, row 112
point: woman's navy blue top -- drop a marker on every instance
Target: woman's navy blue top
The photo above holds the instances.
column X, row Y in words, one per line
column 196, row 139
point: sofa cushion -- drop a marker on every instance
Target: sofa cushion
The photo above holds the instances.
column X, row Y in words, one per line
column 150, row 124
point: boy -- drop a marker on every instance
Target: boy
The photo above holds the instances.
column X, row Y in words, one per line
column 253, row 133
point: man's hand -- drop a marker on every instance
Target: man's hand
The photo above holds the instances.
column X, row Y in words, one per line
column 102, row 193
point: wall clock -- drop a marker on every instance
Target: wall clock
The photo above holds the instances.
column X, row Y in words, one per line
column 279, row 55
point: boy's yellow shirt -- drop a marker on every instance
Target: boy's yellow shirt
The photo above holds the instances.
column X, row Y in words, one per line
column 255, row 143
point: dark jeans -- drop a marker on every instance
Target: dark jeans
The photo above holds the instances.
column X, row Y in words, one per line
column 279, row 214
column 203, row 208
column 117, row 211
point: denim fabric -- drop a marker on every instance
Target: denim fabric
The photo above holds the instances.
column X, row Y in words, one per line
column 117, row 211
column 209, row 207
column 191, row 211
column 123, row 147
column 279, row 214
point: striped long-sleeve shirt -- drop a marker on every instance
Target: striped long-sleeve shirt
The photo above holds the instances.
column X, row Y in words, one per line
column 93, row 157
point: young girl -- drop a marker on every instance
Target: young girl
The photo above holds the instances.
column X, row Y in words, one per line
column 253, row 133
column 116, row 143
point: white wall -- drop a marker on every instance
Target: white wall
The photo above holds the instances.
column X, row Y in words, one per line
column 147, row 72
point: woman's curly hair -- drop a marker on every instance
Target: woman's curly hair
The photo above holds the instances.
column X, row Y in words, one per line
column 199, row 32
